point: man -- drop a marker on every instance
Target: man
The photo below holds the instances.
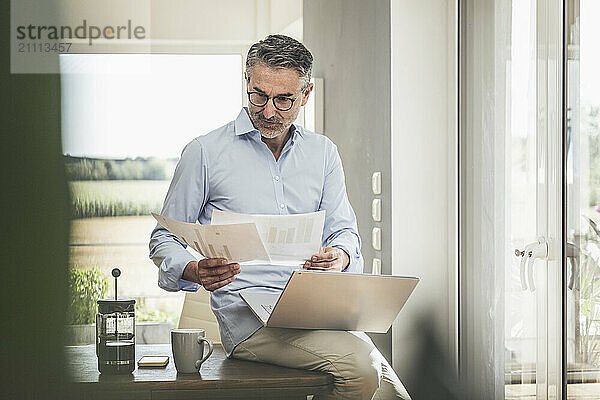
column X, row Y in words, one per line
column 261, row 163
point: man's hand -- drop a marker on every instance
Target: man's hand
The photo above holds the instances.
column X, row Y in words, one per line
column 211, row 273
column 328, row 259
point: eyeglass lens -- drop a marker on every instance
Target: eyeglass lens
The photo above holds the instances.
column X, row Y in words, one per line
column 281, row 103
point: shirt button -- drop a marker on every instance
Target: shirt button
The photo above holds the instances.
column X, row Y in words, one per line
column 277, row 178
column 282, row 206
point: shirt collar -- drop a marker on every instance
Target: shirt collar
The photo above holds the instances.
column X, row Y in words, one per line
column 243, row 125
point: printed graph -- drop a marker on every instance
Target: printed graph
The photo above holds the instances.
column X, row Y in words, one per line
column 209, row 250
column 301, row 233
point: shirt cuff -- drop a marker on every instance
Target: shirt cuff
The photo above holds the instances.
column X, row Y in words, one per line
column 170, row 272
column 356, row 263
column 188, row 286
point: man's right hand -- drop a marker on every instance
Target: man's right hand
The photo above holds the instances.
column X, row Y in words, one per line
column 211, row 273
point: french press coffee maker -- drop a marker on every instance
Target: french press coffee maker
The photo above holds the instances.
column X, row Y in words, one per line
column 115, row 334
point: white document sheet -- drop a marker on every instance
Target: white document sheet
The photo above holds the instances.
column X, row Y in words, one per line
column 261, row 304
column 237, row 243
column 289, row 239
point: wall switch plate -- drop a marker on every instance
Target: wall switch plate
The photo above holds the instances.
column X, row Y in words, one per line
column 376, row 238
column 376, row 210
column 376, row 182
column 376, row 269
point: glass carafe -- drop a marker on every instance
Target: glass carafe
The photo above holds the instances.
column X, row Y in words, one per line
column 115, row 336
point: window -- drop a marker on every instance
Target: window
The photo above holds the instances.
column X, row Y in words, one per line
column 125, row 121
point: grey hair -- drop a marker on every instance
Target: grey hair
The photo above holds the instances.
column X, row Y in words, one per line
column 280, row 51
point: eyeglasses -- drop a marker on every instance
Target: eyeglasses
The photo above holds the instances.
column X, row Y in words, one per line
column 281, row 103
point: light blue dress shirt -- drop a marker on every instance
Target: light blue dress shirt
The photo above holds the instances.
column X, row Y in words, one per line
column 231, row 169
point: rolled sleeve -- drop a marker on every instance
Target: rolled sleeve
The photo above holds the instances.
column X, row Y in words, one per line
column 172, row 259
column 184, row 201
column 340, row 228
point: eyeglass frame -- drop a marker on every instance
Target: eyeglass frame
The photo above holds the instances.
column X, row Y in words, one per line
column 273, row 98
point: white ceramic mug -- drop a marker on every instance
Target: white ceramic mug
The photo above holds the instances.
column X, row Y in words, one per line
column 188, row 349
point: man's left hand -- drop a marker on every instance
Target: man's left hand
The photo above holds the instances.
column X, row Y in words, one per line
column 328, row 259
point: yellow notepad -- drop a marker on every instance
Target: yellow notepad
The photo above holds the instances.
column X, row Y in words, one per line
column 153, row 361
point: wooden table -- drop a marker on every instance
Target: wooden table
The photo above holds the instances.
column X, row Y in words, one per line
column 219, row 378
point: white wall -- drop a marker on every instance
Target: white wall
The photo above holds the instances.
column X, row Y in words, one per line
column 423, row 165
column 195, row 26
column 413, row 141
column 350, row 42
column 224, row 22
column 220, row 27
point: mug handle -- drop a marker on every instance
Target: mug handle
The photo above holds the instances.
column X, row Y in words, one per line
column 210, row 350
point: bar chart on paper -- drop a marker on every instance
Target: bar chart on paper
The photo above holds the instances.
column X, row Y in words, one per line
column 294, row 234
column 212, row 250
column 272, row 239
column 289, row 239
column 236, row 243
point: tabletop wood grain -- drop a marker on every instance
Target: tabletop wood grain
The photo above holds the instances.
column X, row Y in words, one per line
column 217, row 374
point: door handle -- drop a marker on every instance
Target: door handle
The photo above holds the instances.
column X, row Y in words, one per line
column 572, row 254
column 532, row 252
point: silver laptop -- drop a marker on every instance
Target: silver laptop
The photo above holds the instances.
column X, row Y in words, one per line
column 333, row 300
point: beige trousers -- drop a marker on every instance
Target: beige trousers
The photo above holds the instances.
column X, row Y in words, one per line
column 358, row 368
